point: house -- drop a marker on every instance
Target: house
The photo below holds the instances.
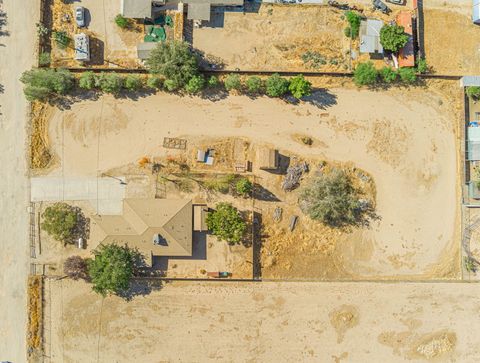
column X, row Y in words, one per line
column 370, row 36
column 136, row 9
column 267, row 158
column 406, row 55
column 156, row 227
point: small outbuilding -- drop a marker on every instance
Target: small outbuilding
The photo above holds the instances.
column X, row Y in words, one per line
column 370, row 36
column 267, row 158
column 136, row 9
column 82, row 47
column 473, row 142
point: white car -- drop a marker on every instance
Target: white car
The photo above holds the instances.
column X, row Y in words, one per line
column 80, row 16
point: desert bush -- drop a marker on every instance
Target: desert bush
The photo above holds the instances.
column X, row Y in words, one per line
column 213, row 82
column 276, row 86
column 365, row 74
column 154, row 82
column 300, row 87
column 40, row 84
column 133, row 82
column 388, row 74
column 75, row 267
column 243, row 187
column 407, row 75
column 254, row 85
column 170, row 85
column 61, row 39
column 121, row 21
column 87, row 80
column 233, row 82
column 195, row 84
column 422, row 66
column 110, row 82
column 226, row 223
column 44, row 59
column 59, row 221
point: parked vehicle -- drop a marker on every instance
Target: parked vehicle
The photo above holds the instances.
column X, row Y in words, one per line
column 380, row 5
column 80, row 16
column 397, row 2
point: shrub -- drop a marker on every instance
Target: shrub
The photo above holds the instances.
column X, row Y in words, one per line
column 307, row 140
column 254, row 84
column 121, row 21
column 87, row 80
column 232, row 82
column 170, row 85
column 40, row 84
column 300, row 87
column 332, row 199
column 422, row 66
column 470, row 264
column 213, row 82
column 110, row 82
column 348, row 32
column 75, row 267
column 473, row 92
column 44, row 59
column 244, row 187
column 226, row 223
column 354, row 20
column 365, row 74
column 407, row 75
column 393, row 37
column 276, row 86
column 388, row 75
column 61, row 39
column 173, row 60
column 154, row 82
column 195, row 84
column 59, row 221
column 111, row 269
column 133, row 82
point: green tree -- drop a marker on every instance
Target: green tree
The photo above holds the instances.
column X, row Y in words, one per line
column 87, row 80
column 276, row 86
column 213, row 82
column 195, row 84
column 154, row 82
column 393, row 37
column 112, row 269
column 233, row 82
column 354, row 20
column 300, row 87
column 365, row 74
column 174, row 60
column 226, row 223
column 254, row 85
column 110, row 82
column 407, row 75
column 133, row 82
column 61, row 38
column 40, row 84
column 170, row 85
column 473, row 92
column 244, row 187
column 332, row 199
column 59, row 221
column 121, row 21
column 388, row 74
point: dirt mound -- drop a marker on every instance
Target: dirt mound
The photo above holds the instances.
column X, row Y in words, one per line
column 343, row 319
column 434, row 345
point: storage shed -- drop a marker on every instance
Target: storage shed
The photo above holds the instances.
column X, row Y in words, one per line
column 473, row 143
column 267, row 158
column 370, row 36
column 136, row 9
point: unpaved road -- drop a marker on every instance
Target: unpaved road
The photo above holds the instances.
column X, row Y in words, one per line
column 267, row 322
column 16, row 55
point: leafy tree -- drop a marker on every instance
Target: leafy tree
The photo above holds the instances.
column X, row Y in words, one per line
column 121, row 21
column 254, row 84
column 276, row 86
column 226, row 223
column 133, row 82
column 233, row 82
column 154, row 82
column 87, row 80
column 473, row 92
column 393, row 37
column 111, row 269
column 365, row 74
column 422, row 66
column 244, row 187
column 174, row 60
column 332, row 199
column 213, row 82
column 195, row 84
column 110, row 82
column 59, row 221
column 75, row 267
column 44, row 59
column 354, row 20
column 388, row 74
column 407, row 75
column 170, row 85
column 61, row 38
column 300, row 87
column 40, row 84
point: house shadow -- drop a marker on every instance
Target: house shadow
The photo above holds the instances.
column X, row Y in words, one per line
column 262, row 193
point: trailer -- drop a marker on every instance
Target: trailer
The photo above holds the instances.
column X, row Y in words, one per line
column 82, row 47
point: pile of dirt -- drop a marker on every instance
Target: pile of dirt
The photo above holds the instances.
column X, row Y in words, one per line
column 343, row 319
column 40, row 155
column 34, row 329
column 436, row 344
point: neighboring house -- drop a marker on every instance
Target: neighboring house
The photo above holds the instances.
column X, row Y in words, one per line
column 156, row 227
column 136, row 9
column 370, row 36
column 406, row 55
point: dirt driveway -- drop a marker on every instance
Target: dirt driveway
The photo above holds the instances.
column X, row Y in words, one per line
column 404, row 139
column 266, row 322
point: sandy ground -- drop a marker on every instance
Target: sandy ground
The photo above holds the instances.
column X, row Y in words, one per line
column 404, row 139
column 266, row 322
column 16, row 55
column 452, row 42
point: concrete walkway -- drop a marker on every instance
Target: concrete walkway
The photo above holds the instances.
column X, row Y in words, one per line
column 16, row 55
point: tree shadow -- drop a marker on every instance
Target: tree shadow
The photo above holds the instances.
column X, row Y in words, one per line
column 261, row 193
column 3, row 22
column 141, row 287
column 257, row 246
column 214, row 94
column 321, row 98
column 81, row 229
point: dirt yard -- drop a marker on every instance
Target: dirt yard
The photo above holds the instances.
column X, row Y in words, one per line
column 452, row 41
column 404, row 139
column 264, row 322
